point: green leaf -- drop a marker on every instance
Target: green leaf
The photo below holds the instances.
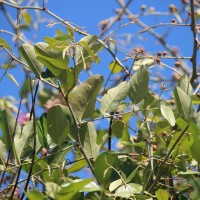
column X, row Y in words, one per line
column 128, row 190
column 7, row 122
column 162, row 194
column 77, row 166
column 72, row 189
column 115, row 184
column 195, row 100
column 58, row 124
column 52, row 59
column 185, row 85
column 35, row 194
column 119, row 129
column 101, row 166
column 88, row 138
column 27, row 52
column 42, row 130
column 193, row 128
column 139, row 85
column 23, row 139
column 2, row 152
column 12, row 78
column 162, row 126
column 83, row 97
column 52, row 189
column 132, row 175
column 168, row 114
column 111, row 100
column 184, row 103
column 4, row 44
column 146, row 62
column 115, row 67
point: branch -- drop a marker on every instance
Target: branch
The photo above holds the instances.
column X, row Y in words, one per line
column 195, row 46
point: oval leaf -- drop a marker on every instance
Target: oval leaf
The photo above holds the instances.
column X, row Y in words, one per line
column 168, row 114
column 115, row 67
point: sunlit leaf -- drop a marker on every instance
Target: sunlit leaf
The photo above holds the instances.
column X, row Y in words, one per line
column 115, row 67
column 115, row 184
column 111, row 100
column 35, row 194
column 168, row 114
column 162, row 194
column 185, row 85
column 12, row 78
column 146, row 62
column 184, row 103
column 77, row 166
column 2, row 152
column 4, row 44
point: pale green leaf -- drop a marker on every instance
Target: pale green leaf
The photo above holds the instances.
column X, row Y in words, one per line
column 77, row 166
column 111, row 100
column 115, row 184
column 35, row 194
column 146, row 62
column 2, row 152
column 4, row 44
column 12, row 78
column 168, row 114
column 183, row 103
column 185, row 85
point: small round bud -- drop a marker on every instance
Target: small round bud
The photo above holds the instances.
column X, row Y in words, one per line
column 155, row 147
column 159, row 53
column 173, row 21
column 121, row 117
column 117, row 111
column 171, row 102
column 135, row 139
column 143, row 7
column 158, row 60
column 176, row 77
column 44, row 152
column 185, row 1
column 151, row 9
column 198, row 95
column 177, row 64
column 173, row 8
column 164, row 133
column 164, row 53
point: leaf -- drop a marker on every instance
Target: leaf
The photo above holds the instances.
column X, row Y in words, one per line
column 57, row 124
column 2, row 152
column 28, row 53
column 146, row 62
column 88, row 138
column 115, row 67
column 4, row 44
column 72, row 189
column 184, row 103
column 185, row 85
column 12, row 78
column 119, row 129
column 193, row 128
column 50, row 58
column 52, row 189
column 101, row 166
column 162, row 126
column 23, row 139
column 132, row 175
column 83, row 97
column 115, row 184
column 139, row 85
column 35, row 194
column 42, row 130
column 162, row 194
column 77, row 166
column 168, row 114
column 128, row 190
column 111, row 100
column 7, row 123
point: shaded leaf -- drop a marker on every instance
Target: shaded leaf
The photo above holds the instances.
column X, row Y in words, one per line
column 77, row 166
column 35, row 194
column 139, row 85
column 185, row 85
column 2, row 152
column 28, row 53
column 83, row 97
column 57, row 124
column 111, row 100
column 88, row 138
